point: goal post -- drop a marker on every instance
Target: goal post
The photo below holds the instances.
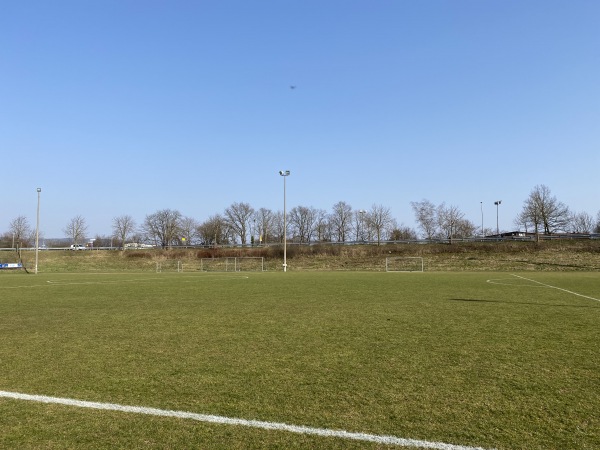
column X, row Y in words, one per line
column 169, row 265
column 404, row 264
column 233, row 264
column 226, row 264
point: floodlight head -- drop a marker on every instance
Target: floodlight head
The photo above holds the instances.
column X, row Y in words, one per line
column 284, row 173
column 39, row 189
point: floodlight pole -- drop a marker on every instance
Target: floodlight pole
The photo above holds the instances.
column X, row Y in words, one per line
column 284, row 174
column 362, row 213
column 482, row 232
column 497, row 203
column 37, row 231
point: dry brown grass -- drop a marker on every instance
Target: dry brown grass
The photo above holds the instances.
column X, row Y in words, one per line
column 496, row 256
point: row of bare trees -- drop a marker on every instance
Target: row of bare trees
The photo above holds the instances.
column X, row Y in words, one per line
column 447, row 222
column 542, row 213
column 22, row 234
column 240, row 223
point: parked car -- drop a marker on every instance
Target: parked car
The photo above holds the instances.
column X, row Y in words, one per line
column 78, row 247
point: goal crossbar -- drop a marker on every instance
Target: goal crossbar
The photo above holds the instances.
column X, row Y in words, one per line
column 233, row 264
column 225, row 264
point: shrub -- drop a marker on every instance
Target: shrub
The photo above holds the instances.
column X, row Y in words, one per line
column 138, row 255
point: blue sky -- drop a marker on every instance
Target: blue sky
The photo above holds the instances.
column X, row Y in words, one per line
column 128, row 107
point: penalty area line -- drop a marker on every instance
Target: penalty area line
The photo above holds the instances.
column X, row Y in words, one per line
column 222, row 420
column 555, row 287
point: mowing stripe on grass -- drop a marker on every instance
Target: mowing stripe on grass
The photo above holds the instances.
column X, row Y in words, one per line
column 560, row 289
column 180, row 278
column 389, row 440
column 186, row 279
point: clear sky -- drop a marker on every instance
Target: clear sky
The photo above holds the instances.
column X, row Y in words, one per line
column 117, row 107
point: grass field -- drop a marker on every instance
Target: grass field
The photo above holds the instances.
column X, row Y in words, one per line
column 490, row 360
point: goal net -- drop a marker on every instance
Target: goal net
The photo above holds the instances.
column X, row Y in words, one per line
column 404, row 264
column 233, row 264
column 169, row 265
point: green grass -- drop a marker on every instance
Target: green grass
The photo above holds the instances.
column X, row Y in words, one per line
column 446, row 357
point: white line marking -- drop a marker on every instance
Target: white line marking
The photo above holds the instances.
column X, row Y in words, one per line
column 511, row 282
column 186, row 279
column 560, row 289
column 181, row 279
column 380, row 439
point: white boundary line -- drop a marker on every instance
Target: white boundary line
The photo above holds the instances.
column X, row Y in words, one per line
column 560, row 289
column 181, row 278
column 380, row 439
column 186, row 279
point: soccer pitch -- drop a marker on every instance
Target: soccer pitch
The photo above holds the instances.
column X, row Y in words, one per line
column 300, row 360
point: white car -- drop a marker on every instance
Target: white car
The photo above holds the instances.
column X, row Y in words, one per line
column 77, row 247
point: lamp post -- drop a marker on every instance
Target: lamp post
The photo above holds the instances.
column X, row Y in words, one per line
column 37, row 231
column 362, row 213
column 497, row 203
column 482, row 232
column 284, row 174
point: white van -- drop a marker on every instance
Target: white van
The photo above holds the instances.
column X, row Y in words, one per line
column 77, row 247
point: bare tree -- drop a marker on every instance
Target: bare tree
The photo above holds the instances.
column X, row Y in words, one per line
column 123, row 227
column 426, row 217
column 402, row 233
column 341, row 221
column 581, row 223
column 465, row 229
column 302, row 220
column 322, row 226
column 213, row 231
column 102, row 241
column 449, row 220
column 21, row 231
column 264, row 219
column 76, row 229
column 278, row 226
column 238, row 217
column 379, row 218
column 523, row 221
column 137, row 236
column 163, row 227
column 189, row 230
column 544, row 212
column 597, row 227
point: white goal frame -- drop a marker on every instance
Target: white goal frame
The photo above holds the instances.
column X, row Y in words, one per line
column 414, row 263
column 233, row 264
column 224, row 264
column 169, row 265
